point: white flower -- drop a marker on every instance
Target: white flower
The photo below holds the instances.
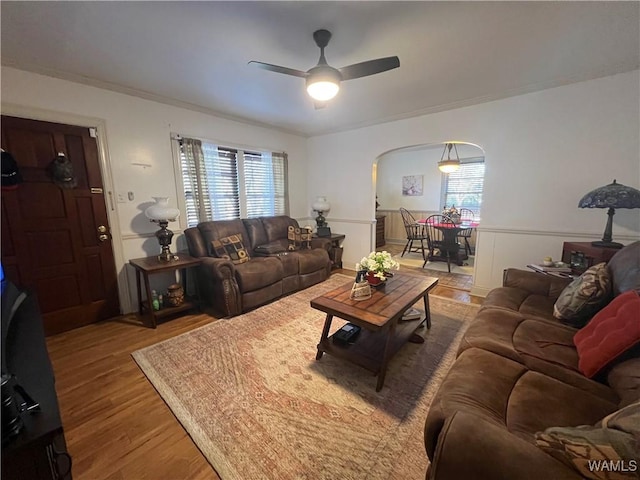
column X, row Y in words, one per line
column 378, row 262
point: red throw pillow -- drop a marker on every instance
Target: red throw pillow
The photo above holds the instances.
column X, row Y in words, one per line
column 611, row 332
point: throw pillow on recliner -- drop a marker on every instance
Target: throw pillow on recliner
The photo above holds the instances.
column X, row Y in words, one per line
column 231, row 248
column 299, row 238
column 613, row 331
column 584, row 297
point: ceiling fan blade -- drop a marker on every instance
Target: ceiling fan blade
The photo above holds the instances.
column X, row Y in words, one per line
column 370, row 67
column 317, row 104
column 279, row 69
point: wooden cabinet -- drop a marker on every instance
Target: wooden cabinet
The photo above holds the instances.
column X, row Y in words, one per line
column 380, row 240
column 582, row 255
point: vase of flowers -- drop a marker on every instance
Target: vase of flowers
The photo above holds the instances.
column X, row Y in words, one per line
column 377, row 265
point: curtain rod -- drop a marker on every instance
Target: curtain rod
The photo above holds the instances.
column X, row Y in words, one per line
column 178, row 137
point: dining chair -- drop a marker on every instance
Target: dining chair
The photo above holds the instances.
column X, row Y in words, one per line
column 415, row 232
column 440, row 241
column 466, row 215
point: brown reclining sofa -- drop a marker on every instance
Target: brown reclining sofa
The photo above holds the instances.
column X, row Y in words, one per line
column 517, row 374
column 271, row 271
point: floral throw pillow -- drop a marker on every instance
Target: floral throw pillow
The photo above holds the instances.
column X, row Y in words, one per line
column 584, row 297
column 299, row 238
column 231, row 248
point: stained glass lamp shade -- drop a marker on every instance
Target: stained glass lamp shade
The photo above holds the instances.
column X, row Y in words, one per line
column 612, row 196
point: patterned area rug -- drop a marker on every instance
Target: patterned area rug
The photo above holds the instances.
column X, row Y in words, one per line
column 259, row 406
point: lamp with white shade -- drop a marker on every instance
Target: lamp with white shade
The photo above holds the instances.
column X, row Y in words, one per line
column 322, row 206
column 450, row 164
column 161, row 213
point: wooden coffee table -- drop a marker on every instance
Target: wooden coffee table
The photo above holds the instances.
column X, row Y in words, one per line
column 382, row 333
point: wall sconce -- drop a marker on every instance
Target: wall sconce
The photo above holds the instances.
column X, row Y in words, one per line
column 450, row 164
column 161, row 213
column 612, row 196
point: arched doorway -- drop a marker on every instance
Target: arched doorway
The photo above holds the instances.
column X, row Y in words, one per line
column 408, row 177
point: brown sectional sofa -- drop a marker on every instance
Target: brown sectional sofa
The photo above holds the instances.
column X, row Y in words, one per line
column 272, row 270
column 517, row 374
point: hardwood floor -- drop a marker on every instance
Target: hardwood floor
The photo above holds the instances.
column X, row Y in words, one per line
column 116, row 426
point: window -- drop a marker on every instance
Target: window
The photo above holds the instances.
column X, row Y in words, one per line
column 222, row 183
column 463, row 188
column 264, row 183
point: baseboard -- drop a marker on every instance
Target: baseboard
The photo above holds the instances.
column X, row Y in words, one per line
column 479, row 291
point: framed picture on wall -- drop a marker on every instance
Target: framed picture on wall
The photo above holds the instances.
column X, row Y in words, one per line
column 412, row 185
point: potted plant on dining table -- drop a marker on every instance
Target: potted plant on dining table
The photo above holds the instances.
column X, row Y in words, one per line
column 378, row 266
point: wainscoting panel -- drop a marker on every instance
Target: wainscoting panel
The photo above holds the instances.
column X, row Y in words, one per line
column 394, row 226
column 499, row 249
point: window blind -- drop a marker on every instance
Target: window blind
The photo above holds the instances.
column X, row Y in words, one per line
column 258, row 184
column 221, row 167
column 464, row 187
column 265, row 184
column 222, row 183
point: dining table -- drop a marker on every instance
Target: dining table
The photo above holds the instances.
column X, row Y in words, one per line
column 450, row 233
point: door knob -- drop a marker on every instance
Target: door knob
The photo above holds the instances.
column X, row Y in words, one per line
column 102, row 229
column 103, row 237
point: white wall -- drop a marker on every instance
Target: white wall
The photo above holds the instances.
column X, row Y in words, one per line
column 543, row 152
column 395, row 165
column 138, row 131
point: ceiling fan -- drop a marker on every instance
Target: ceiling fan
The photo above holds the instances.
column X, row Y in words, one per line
column 323, row 80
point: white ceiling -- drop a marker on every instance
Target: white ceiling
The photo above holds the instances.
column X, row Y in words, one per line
column 195, row 54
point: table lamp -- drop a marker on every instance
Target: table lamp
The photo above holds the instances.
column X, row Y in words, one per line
column 321, row 206
column 612, row 196
column 161, row 213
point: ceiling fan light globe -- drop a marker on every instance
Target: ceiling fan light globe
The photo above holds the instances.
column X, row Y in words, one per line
column 323, row 90
column 448, row 166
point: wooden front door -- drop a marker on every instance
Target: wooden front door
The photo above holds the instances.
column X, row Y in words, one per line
column 57, row 241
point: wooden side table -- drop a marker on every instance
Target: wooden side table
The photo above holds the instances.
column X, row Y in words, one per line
column 335, row 254
column 585, row 255
column 151, row 265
